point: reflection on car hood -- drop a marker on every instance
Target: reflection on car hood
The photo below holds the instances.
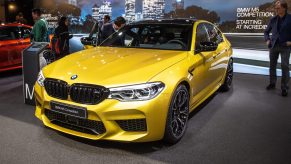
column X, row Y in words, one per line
column 110, row 66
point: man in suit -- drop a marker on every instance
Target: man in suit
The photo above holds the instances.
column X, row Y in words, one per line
column 110, row 28
column 279, row 43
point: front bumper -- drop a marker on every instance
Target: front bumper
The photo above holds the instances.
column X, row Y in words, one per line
column 137, row 121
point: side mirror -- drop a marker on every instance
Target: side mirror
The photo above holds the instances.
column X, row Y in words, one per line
column 87, row 41
column 205, row 47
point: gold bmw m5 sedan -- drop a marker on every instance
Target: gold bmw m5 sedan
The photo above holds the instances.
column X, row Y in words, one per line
column 139, row 85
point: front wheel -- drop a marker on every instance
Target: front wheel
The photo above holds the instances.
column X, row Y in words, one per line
column 177, row 115
column 228, row 77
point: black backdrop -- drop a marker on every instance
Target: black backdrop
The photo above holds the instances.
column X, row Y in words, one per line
column 24, row 6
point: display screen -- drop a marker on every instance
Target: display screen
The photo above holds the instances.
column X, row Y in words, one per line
column 243, row 22
column 234, row 16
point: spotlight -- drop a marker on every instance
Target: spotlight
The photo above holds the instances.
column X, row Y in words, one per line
column 12, row 7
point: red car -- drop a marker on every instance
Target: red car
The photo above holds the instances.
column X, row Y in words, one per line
column 13, row 39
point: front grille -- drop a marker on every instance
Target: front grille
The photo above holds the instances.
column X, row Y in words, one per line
column 76, row 124
column 56, row 88
column 79, row 93
column 88, row 94
column 133, row 125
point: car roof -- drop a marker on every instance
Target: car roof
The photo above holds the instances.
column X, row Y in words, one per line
column 14, row 25
column 183, row 21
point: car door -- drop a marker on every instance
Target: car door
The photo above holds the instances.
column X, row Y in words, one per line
column 8, row 46
column 23, row 42
column 201, row 70
column 220, row 59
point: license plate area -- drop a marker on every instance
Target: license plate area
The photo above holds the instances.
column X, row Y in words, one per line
column 70, row 110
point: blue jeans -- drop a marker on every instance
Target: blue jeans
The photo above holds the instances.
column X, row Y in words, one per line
column 285, row 55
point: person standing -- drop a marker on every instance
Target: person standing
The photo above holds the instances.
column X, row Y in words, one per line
column 110, row 28
column 40, row 28
column 279, row 44
column 106, row 19
column 63, row 35
column 17, row 19
column 21, row 19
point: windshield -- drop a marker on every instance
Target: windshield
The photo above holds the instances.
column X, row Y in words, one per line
column 152, row 36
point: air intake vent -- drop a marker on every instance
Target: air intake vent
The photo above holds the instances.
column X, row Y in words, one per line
column 133, row 125
column 76, row 124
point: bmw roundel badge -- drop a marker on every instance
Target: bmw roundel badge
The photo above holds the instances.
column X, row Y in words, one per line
column 74, row 77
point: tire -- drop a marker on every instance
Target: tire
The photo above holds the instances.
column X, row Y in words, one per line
column 228, row 77
column 178, row 114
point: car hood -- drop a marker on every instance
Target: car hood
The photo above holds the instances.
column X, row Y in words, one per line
column 109, row 66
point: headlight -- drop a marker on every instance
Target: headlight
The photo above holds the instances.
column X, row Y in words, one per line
column 40, row 79
column 139, row 92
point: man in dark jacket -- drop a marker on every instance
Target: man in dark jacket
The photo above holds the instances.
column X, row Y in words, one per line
column 110, row 28
column 279, row 43
column 106, row 19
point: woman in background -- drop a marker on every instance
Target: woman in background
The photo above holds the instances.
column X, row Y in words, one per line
column 62, row 34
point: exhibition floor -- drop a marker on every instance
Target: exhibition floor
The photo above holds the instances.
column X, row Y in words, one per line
column 246, row 125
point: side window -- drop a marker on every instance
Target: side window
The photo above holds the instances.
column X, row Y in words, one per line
column 25, row 32
column 219, row 35
column 9, row 33
column 201, row 35
column 214, row 34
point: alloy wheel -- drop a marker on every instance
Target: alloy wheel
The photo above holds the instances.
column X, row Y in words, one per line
column 180, row 113
column 229, row 73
